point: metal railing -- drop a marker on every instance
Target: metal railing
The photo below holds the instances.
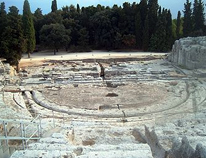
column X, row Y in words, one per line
column 28, row 130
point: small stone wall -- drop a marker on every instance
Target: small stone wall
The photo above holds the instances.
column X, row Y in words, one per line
column 189, row 52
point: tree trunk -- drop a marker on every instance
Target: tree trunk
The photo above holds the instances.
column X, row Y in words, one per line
column 29, row 55
column 17, row 68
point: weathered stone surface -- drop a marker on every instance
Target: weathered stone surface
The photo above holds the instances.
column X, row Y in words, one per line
column 181, row 150
column 138, row 136
column 184, row 150
column 189, row 52
column 152, row 140
column 200, row 151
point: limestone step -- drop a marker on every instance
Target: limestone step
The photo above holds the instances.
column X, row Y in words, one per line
column 57, row 146
column 102, row 151
column 42, row 154
column 118, row 154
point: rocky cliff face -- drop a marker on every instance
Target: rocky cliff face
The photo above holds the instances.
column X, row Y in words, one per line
column 189, row 52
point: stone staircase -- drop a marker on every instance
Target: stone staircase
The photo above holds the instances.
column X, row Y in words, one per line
column 57, row 146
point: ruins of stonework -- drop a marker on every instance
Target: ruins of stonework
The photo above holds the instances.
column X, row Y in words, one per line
column 189, row 52
column 136, row 106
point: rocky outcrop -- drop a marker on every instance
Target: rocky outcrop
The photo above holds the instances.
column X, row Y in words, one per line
column 189, row 52
column 179, row 149
column 152, row 140
column 184, row 150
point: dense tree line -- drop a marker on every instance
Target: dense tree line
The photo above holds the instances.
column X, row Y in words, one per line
column 193, row 21
column 144, row 26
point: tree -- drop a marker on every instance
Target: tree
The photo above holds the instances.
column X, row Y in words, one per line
column 54, row 6
column 152, row 16
column 53, row 18
column 54, row 36
column 83, row 40
column 28, row 27
column 170, row 37
column 178, row 25
column 104, row 34
column 187, row 24
column 143, row 8
column 145, row 42
column 129, row 40
column 38, row 23
column 158, row 39
column 138, row 31
column 3, row 23
column 198, row 15
column 13, row 38
column 78, row 9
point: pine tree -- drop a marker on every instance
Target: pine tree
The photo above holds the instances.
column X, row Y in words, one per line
column 169, row 34
column 78, row 9
column 13, row 38
column 145, row 43
column 158, row 40
column 3, row 18
column 198, row 15
column 178, row 25
column 143, row 8
column 28, row 27
column 152, row 16
column 54, row 6
column 187, row 24
column 38, row 23
column 3, row 24
column 138, row 33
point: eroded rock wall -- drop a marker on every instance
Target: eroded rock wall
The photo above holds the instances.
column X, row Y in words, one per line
column 179, row 149
column 189, row 52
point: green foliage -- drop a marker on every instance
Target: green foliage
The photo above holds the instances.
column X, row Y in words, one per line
column 170, row 37
column 152, row 16
column 38, row 23
column 28, row 27
column 3, row 21
column 55, row 36
column 140, row 25
column 13, row 40
column 163, row 37
column 138, row 31
column 83, row 40
column 129, row 40
column 158, row 39
column 53, row 18
column 146, row 39
column 178, row 26
column 198, row 15
column 104, row 34
column 194, row 18
column 187, row 24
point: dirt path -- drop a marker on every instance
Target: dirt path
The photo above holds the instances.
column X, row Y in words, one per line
column 40, row 57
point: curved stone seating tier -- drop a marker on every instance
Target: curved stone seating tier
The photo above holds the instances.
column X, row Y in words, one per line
column 179, row 100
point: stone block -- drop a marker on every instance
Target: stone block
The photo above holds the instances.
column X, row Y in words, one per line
column 189, row 52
